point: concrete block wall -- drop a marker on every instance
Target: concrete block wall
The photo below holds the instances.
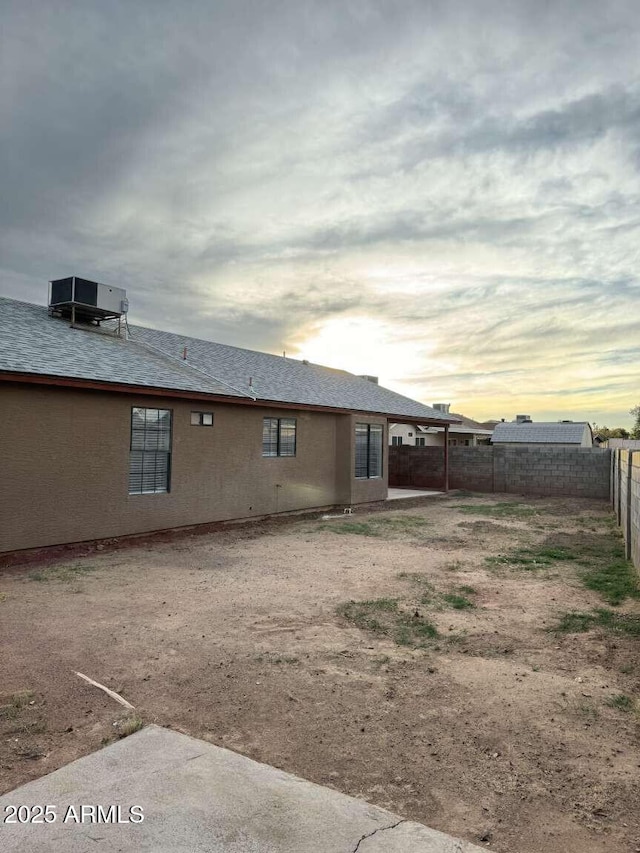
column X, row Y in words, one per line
column 408, row 468
column 546, row 470
column 625, row 498
column 615, row 484
column 634, row 516
column 471, row 468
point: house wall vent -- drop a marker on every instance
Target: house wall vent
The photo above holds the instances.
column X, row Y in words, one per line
column 86, row 301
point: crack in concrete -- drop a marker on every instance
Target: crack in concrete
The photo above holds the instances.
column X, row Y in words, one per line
column 379, row 829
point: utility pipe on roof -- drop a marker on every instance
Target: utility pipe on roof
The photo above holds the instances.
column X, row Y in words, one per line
column 193, row 367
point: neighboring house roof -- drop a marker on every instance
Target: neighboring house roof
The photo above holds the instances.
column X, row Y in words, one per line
column 466, row 425
column 539, row 433
column 469, row 424
column 32, row 342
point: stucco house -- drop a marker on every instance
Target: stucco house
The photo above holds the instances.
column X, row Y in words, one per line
column 120, row 430
column 465, row 432
column 527, row 432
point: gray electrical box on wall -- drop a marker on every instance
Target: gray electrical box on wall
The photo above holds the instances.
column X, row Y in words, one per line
column 87, row 300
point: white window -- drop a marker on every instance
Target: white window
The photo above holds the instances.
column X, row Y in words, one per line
column 150, row 451
column 201, row 418
column 420, row 441
column 396, row 440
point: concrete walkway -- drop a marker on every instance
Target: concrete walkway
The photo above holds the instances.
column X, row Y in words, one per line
column 199, row 798
column 399, row 494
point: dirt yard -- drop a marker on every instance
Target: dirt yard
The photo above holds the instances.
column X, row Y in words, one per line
column 470, row 662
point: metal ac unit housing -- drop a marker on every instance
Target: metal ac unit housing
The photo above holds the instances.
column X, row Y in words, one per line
column 87, row 300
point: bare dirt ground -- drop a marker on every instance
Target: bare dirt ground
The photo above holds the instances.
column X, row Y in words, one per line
column 382, row 655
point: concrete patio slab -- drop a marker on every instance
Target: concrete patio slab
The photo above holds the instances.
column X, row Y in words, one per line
column 399, row 494
column 198, row 798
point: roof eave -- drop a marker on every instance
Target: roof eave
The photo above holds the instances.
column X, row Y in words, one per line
column 403, row 419
column 472, row 431
column 180, row 393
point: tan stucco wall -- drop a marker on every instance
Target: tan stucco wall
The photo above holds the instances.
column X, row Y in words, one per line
column 64, row 461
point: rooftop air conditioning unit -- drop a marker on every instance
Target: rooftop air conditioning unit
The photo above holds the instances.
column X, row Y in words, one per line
column 87, row 301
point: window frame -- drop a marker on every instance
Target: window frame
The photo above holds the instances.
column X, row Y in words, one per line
column 279, row 423
column 379, row 429
column 396, row 441
column 421, row 441
column 166, row 453
column 200, row 418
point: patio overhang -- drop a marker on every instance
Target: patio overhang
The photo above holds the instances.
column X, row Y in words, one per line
column 441, row 423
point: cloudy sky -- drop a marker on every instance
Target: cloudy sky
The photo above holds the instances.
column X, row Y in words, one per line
column 445, row 194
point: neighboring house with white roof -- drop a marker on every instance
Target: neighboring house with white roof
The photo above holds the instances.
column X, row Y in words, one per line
column 526, row 432
column 466, row 432
column 108, row 433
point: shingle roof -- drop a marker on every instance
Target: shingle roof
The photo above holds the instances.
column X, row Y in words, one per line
column 466, row 426
column 539, row 433
column 34, row 343
column 469, row 424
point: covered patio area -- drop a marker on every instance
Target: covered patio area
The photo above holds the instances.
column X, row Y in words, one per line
column 400, row 486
